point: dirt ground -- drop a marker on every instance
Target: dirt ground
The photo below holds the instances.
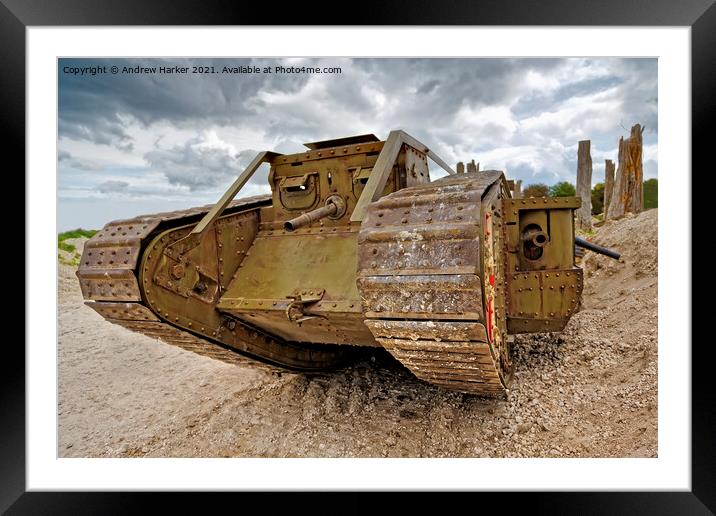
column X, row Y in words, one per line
column 590, row 391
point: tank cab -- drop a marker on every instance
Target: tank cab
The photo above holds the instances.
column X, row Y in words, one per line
column 334, row 172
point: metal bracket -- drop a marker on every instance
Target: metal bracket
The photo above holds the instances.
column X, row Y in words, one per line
column 183, row 245
column 300, row 298
column 383, row 166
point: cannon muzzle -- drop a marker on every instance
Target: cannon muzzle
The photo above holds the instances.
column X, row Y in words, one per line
column 335, row 207
column 596, row 248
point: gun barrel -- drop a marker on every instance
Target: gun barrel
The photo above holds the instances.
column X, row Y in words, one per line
column 307, row 218
column 596, row 248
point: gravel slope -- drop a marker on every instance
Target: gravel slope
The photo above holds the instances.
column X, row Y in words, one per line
column 590, row 391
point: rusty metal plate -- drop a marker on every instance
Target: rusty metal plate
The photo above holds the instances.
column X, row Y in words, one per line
column 123, row 311
column 433, row 209
column 338, row 151
column 444, row 231
column 435, row 330
column 103, row 255
column 447, row 296
column 544, row 294
column 511, row 207
column 412, row 253
column 109, row 285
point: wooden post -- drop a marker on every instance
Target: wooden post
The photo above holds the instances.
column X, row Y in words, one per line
column 518, row 188
column 471, row 167
column 628, row 192
column 584, row 185
column 608, row 183
column 460, row 167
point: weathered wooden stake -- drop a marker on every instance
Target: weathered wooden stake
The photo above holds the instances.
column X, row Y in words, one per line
column 460, row 167
column 628, row 191
column 584, row 185
column 608, row 183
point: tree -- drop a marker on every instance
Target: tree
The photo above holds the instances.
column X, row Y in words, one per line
column 651, row 191
column 584, row 184
column 536, row 190
column 562, row 189
column 628, row 194
column 598, row 199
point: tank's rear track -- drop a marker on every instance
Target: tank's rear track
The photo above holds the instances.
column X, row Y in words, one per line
column 420, row 279
column 108, row 275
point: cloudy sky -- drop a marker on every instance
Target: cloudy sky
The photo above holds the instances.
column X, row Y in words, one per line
column 141, row 143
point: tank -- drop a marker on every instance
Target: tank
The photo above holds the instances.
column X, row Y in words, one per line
column 355, row 247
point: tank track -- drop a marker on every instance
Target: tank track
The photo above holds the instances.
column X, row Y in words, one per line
column 419, row 275
column 139, row 319
column 108, row 275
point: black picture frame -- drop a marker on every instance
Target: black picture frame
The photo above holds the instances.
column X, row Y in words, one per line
column 17, row 15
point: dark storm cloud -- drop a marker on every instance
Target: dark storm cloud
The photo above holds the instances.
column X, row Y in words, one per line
column 429, row 86
column 198, row 164
column 522, row 115
column 98, row 108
